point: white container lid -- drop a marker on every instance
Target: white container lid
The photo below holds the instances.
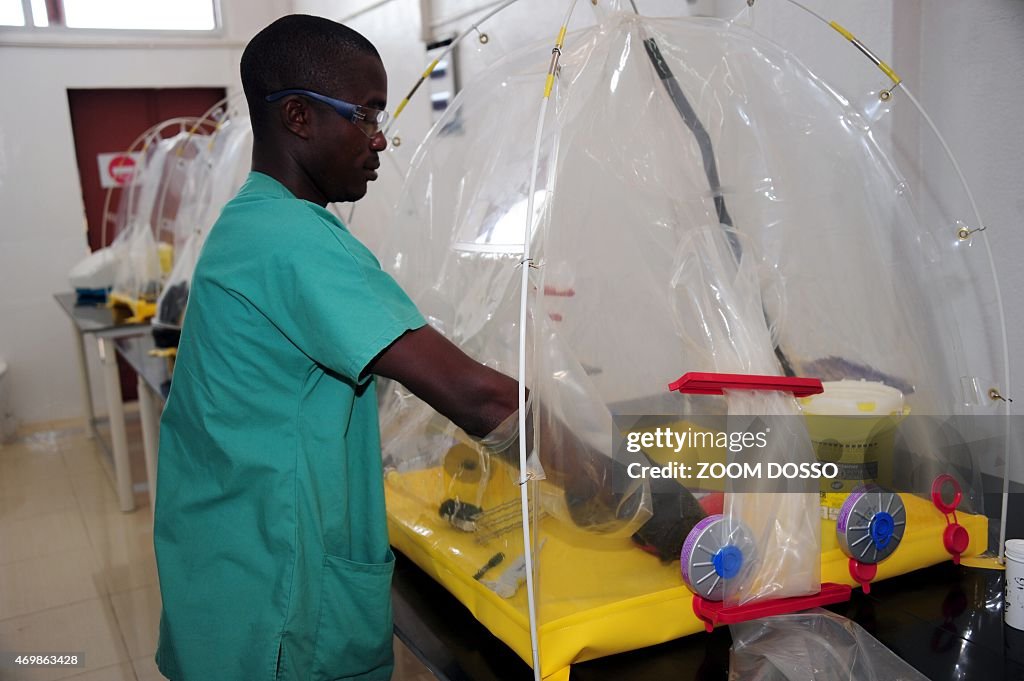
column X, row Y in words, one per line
column 854, row 398
column 1015, row 550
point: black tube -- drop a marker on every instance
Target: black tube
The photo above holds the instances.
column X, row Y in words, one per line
column 689, row 116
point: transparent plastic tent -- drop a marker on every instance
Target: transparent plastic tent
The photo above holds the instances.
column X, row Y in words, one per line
column 212, row 183
column 147, row 233
column 692, row 198
column 189, row 169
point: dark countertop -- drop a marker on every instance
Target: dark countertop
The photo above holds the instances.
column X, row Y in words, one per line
column 946, row 621
column 96, row 317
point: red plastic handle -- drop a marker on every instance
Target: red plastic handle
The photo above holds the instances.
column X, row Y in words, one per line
column 714, row 613
column 937, row 487
column 701, row 383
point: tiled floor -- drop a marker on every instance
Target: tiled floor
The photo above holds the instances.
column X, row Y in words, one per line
column 77, row 574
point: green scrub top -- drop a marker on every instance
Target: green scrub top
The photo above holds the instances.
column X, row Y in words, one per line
column 270, row 533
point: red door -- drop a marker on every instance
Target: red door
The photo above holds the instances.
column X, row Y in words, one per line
column 109, row 120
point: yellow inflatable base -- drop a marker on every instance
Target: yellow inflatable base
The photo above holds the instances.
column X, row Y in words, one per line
column 598, row 597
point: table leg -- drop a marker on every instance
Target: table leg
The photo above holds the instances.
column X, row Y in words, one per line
column 115, row 411
column 150, row 413
column 83, row 381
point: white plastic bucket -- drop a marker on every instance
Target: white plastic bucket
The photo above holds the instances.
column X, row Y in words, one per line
column 1014, row 601
column 852, row 424
column 854, row 398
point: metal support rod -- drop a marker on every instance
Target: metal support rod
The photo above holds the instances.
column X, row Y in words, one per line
column 149, row 411
column 118, row 437
column 84, row 385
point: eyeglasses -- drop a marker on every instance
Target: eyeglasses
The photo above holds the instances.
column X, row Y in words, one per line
column 369, row 121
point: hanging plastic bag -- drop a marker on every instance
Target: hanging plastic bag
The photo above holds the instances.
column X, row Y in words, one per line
column 720, row 287
column 781, row 514
column 170, row 309
column 212, row 179
column 140, row 271
column 816, row 645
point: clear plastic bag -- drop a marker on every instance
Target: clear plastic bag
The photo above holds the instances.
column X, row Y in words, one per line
column 783, row 521
column 150, row 211
column 210, row 180
column 816, row 645
column 718, row 279
column 138, row 277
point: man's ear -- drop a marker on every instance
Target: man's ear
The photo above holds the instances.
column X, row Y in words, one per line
column 296, row 116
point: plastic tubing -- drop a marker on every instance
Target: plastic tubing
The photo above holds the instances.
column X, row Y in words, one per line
column 988, row 249
column 525, row 265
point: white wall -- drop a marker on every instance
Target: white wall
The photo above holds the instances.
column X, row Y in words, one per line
column 42, row 228
column 972, row 85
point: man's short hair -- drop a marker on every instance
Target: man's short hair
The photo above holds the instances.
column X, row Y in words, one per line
column 298, row 51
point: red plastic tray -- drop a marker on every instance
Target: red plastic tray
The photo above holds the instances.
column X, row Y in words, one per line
column 714, row 613
column 701, row 383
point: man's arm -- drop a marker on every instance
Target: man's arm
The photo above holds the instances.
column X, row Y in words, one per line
column 477, row 399
column 474, row 397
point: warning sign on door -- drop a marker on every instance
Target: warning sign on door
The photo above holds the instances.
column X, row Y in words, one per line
column 117, row 169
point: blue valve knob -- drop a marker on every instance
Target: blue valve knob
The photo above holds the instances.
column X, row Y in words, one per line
column 728, row 562
column 882, row 526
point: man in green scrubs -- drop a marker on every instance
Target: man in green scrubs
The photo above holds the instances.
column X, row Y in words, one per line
column 270, row 530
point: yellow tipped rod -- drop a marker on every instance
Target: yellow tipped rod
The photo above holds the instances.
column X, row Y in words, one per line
column 526, row 264
column 430, row 69
column 426, row 74
column 885, row 68
column 556, row 53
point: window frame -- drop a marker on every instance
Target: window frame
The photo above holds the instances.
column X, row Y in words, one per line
column 56, row 29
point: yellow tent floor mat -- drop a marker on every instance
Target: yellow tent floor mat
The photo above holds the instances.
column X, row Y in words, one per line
column 599, row 596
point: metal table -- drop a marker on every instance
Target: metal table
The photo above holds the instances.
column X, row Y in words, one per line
column 100, row 322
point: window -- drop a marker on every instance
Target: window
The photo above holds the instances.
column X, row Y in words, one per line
column 172, row 15
column 40, row 15
column 11, row 13
column 155, row 15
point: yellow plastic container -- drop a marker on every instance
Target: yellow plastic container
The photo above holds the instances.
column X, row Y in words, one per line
column 853, row 425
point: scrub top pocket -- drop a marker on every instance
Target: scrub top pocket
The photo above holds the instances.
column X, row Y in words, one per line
column 355, row 628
